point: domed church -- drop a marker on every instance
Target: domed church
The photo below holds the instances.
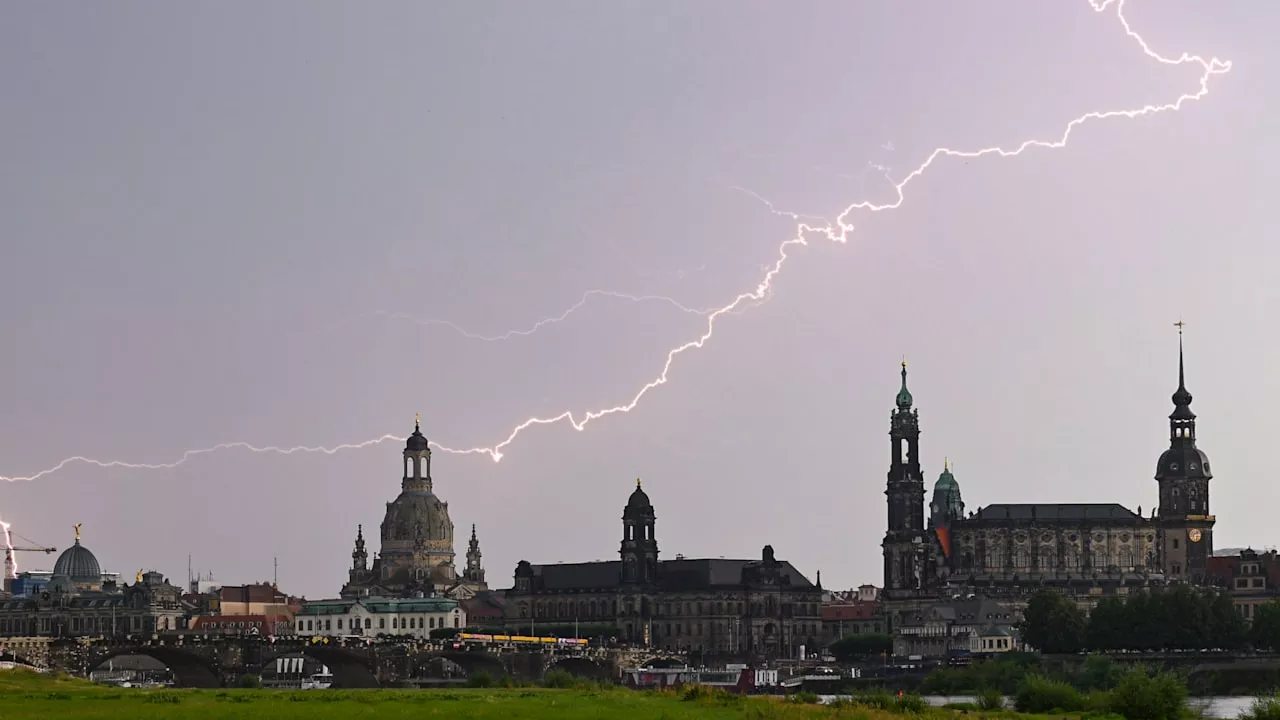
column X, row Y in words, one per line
column 417, row 551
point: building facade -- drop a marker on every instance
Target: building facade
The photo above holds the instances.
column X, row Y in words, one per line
column 78, row 602
column 417, row 550
column 957, row 626
column 759, row 607
column 1084, row 549
column 401, row 617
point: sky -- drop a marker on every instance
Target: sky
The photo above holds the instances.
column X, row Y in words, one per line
column 300, row 223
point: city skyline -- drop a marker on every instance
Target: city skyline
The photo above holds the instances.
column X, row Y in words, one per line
column 237, row 242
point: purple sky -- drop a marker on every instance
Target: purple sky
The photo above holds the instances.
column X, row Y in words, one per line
column 216, row 219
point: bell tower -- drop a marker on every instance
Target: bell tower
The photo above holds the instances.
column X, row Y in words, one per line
column 417, row 460
column 904, row 545
column 639, row 549
column 1185, row 525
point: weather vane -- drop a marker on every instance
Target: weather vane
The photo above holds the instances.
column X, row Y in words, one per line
column 1179, row 325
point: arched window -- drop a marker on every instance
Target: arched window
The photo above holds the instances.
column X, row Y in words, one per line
column 1021, row 559
column 1071, row 558
column 1126, row 558
column 1048, row 559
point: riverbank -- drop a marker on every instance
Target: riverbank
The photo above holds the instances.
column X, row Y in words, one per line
column 31, row 695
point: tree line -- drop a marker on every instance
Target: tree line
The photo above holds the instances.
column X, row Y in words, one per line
column 1177, row 618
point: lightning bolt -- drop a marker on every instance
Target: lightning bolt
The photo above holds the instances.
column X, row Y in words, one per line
column 10, row 557
column 586, row 296
column 838, row 232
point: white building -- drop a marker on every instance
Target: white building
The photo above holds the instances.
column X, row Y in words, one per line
column 374, row 616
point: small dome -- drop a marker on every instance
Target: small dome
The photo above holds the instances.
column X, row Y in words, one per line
column 1183, row 462
column 78, row 563
column 638, row 504
column 417, row 442
column 946, row 481
column 904, row 395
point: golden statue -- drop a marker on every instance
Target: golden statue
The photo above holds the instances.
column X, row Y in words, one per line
column 138, row 577
column 417, row 420
column 77, row 529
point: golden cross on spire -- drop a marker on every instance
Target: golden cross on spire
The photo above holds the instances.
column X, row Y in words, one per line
column 1179, row 325
column 77, row 529
column 904, row 361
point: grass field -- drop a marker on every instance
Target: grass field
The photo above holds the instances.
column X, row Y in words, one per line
column 24, row 694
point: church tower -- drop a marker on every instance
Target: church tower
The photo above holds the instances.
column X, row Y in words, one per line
column 474, row 572
column 904, row 545
column 1185, row 526
column 639, row 549
column 417, row 461
column 359, row 557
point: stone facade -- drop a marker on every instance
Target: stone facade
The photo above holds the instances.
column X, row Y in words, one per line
column 959, row 626
column 148, row 606
column 399, row 617
column 764, row 608
column 417, row 550
column 1011, row 550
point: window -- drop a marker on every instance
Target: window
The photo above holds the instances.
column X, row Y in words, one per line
column 382, row 623
column 1175, row 543
column 339, row 623
column 367, row 623
column 457, row 621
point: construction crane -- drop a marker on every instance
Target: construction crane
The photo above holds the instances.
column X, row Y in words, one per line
column 11, row 567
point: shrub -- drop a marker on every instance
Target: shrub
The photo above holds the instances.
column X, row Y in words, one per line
column 909, row 703
column 557, row 678
column 1263, row 708
column 879, row 699
column 804, row 698
column 480, row 679
column 1038, row 694
column 991, row 699
column 248, row 681
column 1139, row 696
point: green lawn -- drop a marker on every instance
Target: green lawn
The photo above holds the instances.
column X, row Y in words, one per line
column 24, row 694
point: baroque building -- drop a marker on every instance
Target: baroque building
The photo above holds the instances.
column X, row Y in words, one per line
column 1012, row 549
column 417, row 555
column 78, row 602
column 763, row 608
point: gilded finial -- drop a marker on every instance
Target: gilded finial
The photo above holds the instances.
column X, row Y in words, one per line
column 1179, row 325
column 637, row 483
column 417, row 421
column 904, row 362
column 138, row 577
column 77, row 529
column 946, row 464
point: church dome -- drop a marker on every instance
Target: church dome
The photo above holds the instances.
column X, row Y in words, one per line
column 78, row 563
column 417, row 442
column 1183, row 462
column 638, row 503
column 418, row 517
column 904, row 398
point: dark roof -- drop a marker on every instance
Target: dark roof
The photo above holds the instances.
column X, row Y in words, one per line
column 1056, row 511
column 77, row 563
column 673, row 575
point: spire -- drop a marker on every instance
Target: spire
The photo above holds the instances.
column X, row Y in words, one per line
column 1181, row 397
column 904, row 395
column 475, row 542
column 819, row 579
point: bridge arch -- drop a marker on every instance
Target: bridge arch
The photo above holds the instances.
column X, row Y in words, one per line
column 471, row 662
column 351, row 669
column 582, row 667
column 189, row 669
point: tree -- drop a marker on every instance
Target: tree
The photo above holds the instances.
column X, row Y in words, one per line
column 1265, row 632
column 1227, row 626
column 1109, row 627
column 859, row 647
column 1053, row 624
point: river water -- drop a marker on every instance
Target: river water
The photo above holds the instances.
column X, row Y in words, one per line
column 1219, row 707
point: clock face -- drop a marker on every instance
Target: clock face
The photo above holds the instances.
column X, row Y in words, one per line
column 1194, row 535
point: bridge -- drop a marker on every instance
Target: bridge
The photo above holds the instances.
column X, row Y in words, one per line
column 219, row 661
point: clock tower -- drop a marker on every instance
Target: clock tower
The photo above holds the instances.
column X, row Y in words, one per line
column 1185, row 527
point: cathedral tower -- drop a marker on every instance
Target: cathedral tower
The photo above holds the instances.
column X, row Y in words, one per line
column 639, row 549
column 904, row 544
column 1183, row 474
column 474, row 571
